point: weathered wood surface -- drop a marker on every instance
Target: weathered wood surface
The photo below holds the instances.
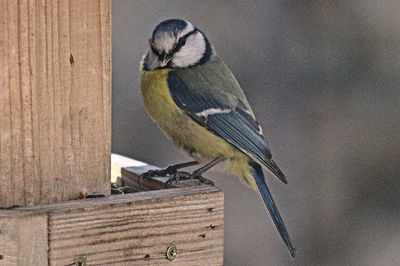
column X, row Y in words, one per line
column 55, row 97
column 131, row 229
column 23, row 240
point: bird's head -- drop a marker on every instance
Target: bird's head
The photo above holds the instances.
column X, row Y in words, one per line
column 176, row 43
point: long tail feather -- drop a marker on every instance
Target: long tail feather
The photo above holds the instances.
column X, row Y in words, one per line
column 270, row 204
column 273, row 167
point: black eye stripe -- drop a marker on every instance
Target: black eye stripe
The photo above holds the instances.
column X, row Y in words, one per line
column 188, row 34
column 182, row 41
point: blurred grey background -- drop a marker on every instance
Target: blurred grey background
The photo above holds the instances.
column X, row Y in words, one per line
column 323, row 80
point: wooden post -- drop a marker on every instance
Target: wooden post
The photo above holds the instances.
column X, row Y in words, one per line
column 55, row 97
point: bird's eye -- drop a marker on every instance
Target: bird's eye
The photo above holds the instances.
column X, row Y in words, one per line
column 182, row 42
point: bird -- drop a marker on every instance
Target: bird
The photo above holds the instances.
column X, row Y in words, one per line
column 194, row 98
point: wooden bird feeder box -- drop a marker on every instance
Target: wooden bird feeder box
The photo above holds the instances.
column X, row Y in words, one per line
column 55, row 146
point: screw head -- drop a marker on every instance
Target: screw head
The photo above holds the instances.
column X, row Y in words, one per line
column 171, row 252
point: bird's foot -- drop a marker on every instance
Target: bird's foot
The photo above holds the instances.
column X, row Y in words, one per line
column 181, row 176
column 170, row 170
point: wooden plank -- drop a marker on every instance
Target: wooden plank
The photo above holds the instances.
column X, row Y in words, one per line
column 23, row 240
column 131, row 229
column 55, row 100
column 114, row 199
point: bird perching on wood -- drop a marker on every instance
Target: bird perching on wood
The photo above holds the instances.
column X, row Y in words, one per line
column 194, row 98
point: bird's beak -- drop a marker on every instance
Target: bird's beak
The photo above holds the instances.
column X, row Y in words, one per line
column 165, row 62
column 165, row 59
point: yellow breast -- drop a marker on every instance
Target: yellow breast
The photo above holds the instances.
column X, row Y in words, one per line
column 184, row 132
column 177, row 125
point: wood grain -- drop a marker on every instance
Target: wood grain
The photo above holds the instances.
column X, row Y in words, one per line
column 132, row 229
column 55, row 99
column 23, row 240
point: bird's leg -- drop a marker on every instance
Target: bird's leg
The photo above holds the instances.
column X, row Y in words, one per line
column 196, row 174
column 169, row 170
column 208, row 166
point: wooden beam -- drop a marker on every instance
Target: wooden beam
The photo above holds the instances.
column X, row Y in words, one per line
column 131, row 229
column 55, row 95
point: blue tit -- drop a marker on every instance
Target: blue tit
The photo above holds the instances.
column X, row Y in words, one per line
column 194, row 98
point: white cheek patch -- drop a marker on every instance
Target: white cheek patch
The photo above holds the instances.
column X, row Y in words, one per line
column 191, row 52
column 212, row 111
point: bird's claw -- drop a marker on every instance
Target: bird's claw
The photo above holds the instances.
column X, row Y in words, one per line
column 179, row 176
column 170, row 170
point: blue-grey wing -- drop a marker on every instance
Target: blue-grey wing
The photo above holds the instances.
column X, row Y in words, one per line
column 227, row 118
